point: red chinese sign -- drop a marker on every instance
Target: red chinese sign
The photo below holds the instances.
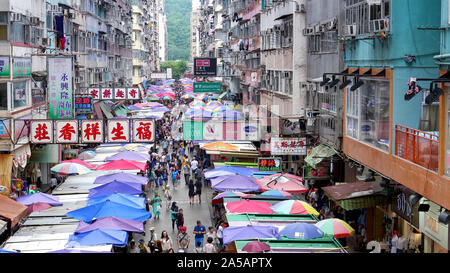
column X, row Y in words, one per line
column 66, row 131
column 132, row 93
column 118, row 131
column 107, row 94
column 120, row 93
column 41, row 132
column 288, row 146
column 143, row 130
column 92, row 131
column 94, row 93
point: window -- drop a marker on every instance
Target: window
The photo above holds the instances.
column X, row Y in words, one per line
column 19, row 94
column 368, row 113
column 3, row 26
column 361, row 14
column 3, row 96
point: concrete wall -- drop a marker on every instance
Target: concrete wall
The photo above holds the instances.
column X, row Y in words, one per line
column 300, row 61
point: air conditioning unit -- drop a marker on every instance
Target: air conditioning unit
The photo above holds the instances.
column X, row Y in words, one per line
column 45, row 41
column 34, row 21
column 350, row 30
column 318, row 29
column 308, row 31
column 331, row 25
column 379, row 25
column 15, row 17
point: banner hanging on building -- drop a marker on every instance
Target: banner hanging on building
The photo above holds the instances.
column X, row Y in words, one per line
column 4, row 66
column 288, row 146
column 205, row 66
column 270, row 164
column 117, row 93
column 60, row 87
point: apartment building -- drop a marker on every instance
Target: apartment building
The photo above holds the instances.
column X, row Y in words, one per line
column 195, row 34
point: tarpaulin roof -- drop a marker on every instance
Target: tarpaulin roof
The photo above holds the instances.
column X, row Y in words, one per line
column 115, row 187
column 125, row 199
column 98, row 237
column 318, row 153
column 111, row 222
column 123, row 177
column 129, row 155
column 12, row 210
column 355, row 195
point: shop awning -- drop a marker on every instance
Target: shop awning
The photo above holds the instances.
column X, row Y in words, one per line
column 106, row 111
column 45, row 154
column 355, row 195
column 318, row 153
column 11, row 210
column 98, row 110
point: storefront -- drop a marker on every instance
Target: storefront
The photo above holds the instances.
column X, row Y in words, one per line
column 436, row 234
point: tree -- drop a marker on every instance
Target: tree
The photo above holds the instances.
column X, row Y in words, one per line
column 178, row 68
column 178, row 14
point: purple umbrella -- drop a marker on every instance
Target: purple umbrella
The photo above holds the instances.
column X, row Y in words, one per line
column 231, row 234
column 256, row 247
column 39, row 197
column 160, row 109
column 129, row 155
column 116, row 187
column 112, row 222
column 122, row 177
column 236, row 183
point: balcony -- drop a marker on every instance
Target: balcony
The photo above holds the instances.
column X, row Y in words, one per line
column 419, row 147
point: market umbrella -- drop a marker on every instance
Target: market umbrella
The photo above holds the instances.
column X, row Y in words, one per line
column 98, row 237
column 122, row 177
column 294, row 207
column 230, row 169
column 214, row 102
column 276, row 193
column 129, row 155
column 39, row 197
column 284, row 182
column 219, row 198
column 160, row 109
column 122, row 164
column 37, row 207
column 134, row 147
column 256, row 247
column 133, row 107
column 249, row 206
column 74, row 250
column 116, row 187
column 109, row 208
column 231, row 234
column 166, row 98
column 305, row 231
column 69, row 168
column 220, row 146
column 236, row 183
column 335, row 227
column 198, row 113
column 7, row 251
column 81, row 162
column 111, row 222
column 188, row 96
column 229, row 115
column 121, row 198
column 86, row 155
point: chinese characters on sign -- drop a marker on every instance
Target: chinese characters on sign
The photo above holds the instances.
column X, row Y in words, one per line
column 94, row 93
column 272, row 164
column 132, row 93
column 118, row 131
column 41, row 131
column 118, row 93
column 83, row 104
column 143, row 130
column 66, row 131
column 288, row 146
column 92, row 131
column 107, row 94
column 60, row 87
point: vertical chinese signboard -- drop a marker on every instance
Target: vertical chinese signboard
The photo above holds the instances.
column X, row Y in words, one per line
column 60, row 87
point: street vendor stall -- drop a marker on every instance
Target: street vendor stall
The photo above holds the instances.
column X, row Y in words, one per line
column 319, row 245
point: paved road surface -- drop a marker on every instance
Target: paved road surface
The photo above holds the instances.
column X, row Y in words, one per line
column 192, row 213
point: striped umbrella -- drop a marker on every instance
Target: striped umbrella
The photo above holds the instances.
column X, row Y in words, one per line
column 214, row 102
column 276, row 193
column 86, row 155
column 69, row 168
column 335, row 227
column 293, row 207
column 220, row 196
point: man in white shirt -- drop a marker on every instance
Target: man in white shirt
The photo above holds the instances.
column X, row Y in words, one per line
column 194, row 165
column 394, row 242
column 402, row 244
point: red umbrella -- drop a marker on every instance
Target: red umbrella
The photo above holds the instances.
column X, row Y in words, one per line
column 249, row 206
column 256, row 246
column 284, row 182
column 37, row 207
column 81, row 162
column 122, row 164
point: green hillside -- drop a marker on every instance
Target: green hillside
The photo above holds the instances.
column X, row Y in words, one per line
column 178, row 14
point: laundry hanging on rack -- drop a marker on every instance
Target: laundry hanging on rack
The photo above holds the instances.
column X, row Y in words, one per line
column 59, row 29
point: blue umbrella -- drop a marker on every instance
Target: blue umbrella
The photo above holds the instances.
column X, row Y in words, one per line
column 109, row 208
column 301, row 231
column 124, row 199
column 231, row 234
column 116, row 187
column 98, row 237
column 7, row 251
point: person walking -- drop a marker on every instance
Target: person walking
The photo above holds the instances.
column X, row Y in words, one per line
column 220, row 234
column 180, row 219
column 166, row 242
column 209, row 246
column 133, row 248
column 173, row 214
column 152, row 241
column 156, row 206
column 168, row 196
column 198, row 192
column 175, row 177
column 191, row 192
column 194, row 165
column 142, row 247
column 199, row 231
column 165, row 177
column 187, row 173
column 183, row 240
column 212, row 234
